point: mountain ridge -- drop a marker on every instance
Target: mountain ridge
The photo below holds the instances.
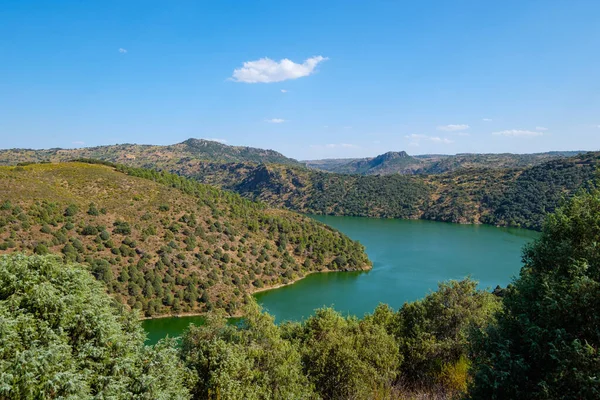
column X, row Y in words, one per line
column 387, row 163
column 139, row 155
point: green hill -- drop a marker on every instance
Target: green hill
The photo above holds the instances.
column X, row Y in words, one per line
column 498, row 196
column 497, row 189
column 163, row 243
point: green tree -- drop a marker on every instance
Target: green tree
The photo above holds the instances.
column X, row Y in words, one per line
column 251, row 361
column 433, row 333
column 545, row 343
column 71, row 210
column 345, row 357
column 61, row 336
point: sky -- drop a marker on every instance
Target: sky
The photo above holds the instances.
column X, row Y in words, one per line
column 311, row 79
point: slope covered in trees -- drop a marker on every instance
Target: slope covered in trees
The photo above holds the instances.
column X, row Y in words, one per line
column 162, row 243
column 507, row 197
column 498, row 189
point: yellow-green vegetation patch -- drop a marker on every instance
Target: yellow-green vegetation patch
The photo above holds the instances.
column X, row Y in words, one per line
column 162, row 243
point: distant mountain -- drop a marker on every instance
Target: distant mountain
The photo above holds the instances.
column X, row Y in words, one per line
column 162, row 157
column 391, row 162
column 402, row 163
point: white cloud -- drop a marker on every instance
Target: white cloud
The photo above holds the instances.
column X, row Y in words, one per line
column 78, row 142
column 275, row 120
column 283, row 91
column 453, row 127
column 487, row 120
column 122, row 50
column 416, row 138
column 217, row 140
column 518, row 133
column 540, row 128
column 266, row 70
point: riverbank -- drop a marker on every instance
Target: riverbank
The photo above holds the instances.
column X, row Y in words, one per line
column 254, row 291
column 264, row 289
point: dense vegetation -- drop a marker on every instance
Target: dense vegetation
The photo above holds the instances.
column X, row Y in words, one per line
column 546, row 342
column 498, row 189
column 62, row 336
column 514, row 197
column 163, row 243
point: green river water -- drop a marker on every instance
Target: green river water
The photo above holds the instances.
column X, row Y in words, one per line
column 409, row 259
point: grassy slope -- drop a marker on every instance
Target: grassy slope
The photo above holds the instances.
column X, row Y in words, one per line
column 191, row 247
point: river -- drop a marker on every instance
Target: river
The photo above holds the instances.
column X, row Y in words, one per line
column 409, row 259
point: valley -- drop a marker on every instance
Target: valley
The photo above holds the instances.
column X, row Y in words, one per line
column 409, row 259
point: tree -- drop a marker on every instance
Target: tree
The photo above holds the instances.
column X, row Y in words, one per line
column 545, row 343
column 345, row 357
column 433, row 333
column 250, row 361
column 62, row 336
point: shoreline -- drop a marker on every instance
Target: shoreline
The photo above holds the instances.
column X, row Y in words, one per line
column 252, row 293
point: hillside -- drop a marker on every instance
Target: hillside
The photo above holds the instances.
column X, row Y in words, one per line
column 163, row 157
column 506, row 197
column 163, row 243
column 402, row 163
column 498, row 189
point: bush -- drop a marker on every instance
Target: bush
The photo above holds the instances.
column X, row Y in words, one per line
column 92, row 210
column 40, row 249
column 247, row 362
column 345, row 357
column 61, row 336
column 545, row 343
column 71, row 210
column 89, row 230
column 122, row 228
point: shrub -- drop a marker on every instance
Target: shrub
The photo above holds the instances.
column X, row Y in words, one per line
column 84, row 346
column 71, row 210
column 122, row 228
column 545, row 343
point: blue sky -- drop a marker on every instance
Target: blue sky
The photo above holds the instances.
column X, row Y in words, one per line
column 361, row 77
